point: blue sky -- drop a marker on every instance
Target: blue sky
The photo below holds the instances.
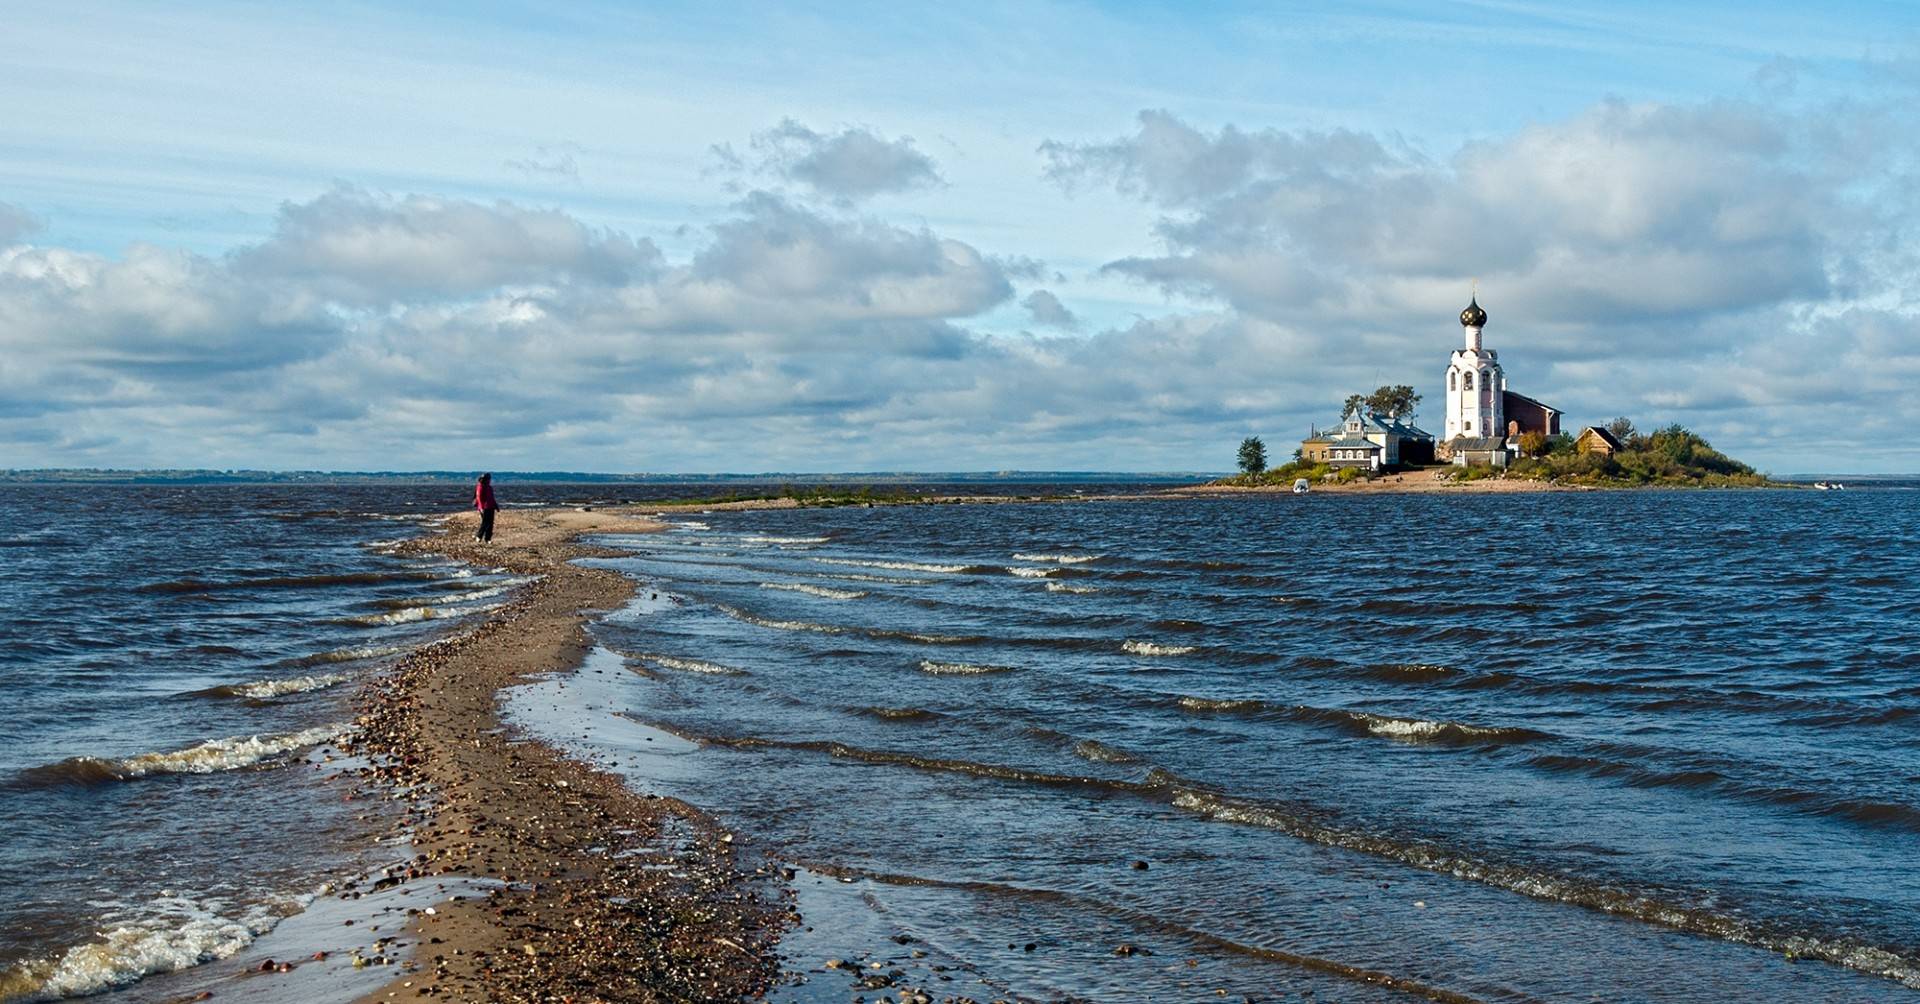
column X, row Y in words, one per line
column 1114, row 236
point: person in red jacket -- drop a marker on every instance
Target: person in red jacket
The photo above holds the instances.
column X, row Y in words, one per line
column 484, row 501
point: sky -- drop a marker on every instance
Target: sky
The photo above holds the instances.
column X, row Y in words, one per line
column 846, row 237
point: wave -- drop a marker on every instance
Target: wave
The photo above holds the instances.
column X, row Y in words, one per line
column 890, row 580
column 1412, row 672
column 900, row 714
column 689, row 665
column 1066, row 587
column 351, row 654
column 1557, row 886
column 762, row 539
column 1422, row 730
column 1161, row 923
column 1029, row 572
column 779, row 625
column 901, row 566
column 210, row 757
column 1058, row 559
column 1427, row 855
column 285, row 582
column 1366, row 723
column 1220, row 704
column 1099, row 752
column 184, row 934
column 1153, row 648
column 404, row 615
column 1893, row 815
column 262, row 689
column 820, row 591
column 960, row 668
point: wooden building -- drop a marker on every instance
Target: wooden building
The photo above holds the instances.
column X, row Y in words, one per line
column 1594, row 439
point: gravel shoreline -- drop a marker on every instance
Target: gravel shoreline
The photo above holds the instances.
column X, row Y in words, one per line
column 605, row 893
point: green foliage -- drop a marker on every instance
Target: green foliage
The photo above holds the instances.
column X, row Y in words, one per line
column 1670, row 456
column 1534, row 444
column 1253, row 455
column 1398, row 400
column 1355, row 402
column 1283, row 475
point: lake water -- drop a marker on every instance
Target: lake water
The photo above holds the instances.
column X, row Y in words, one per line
column 1610, row 746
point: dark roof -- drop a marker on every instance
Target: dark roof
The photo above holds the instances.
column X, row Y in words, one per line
column 1531, row 401
column 1606, row 437
column 1478, row 443
column 1355, row 444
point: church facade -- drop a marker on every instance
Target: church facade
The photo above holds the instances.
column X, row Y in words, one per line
column 1484, row 419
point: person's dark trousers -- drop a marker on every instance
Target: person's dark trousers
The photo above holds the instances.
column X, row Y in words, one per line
column 486, row 526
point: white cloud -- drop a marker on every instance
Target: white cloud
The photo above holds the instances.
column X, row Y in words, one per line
column 848, row 166
column 357, row 245
column 1047, row 310
column 1715, row 264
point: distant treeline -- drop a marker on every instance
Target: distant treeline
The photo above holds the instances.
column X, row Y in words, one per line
column 245, row 477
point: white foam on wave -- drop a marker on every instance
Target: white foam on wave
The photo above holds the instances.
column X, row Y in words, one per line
column 1067, row 587
column 215, row 755
column 821, row 591
column 358, row 652
column 686, row 524
column 904, row 566
column 1154, row 648
column 404, row 615
column 292, row 685
column 1029, row 572
column 1217, row 704
column 960, row 668
column 691, row 665
column 174, row 933
column 1403, row 728
column 764, row 539
column 779, row 625
column 890, row 580
column 1058, row 559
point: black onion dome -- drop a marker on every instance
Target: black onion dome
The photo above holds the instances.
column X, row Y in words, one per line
column 1473, row 316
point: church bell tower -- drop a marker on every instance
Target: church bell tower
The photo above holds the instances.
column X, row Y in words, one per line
column 1475, row 382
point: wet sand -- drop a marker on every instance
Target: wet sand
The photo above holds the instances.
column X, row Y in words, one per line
column 604, row 893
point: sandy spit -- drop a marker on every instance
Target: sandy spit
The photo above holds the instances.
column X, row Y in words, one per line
column 609, row 894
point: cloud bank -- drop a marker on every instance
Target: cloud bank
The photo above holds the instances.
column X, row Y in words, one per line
column 1736, row 266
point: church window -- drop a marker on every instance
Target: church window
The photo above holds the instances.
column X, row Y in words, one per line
column 1452, row 379
column 1469, row 378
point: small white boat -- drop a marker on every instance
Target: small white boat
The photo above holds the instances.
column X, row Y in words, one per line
column 1830, row 486
column 1300, row 486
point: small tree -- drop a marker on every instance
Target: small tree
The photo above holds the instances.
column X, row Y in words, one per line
column 1355, row 402
column 1533, row 444
column 1622, row 429
column 1397, row 401
column 1253, row 455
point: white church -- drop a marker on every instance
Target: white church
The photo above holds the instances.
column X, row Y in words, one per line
column 1483, row 420
column 1483, row 417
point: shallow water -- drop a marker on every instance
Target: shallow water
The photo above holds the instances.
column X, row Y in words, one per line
column 1646, row 746
column 174, row 661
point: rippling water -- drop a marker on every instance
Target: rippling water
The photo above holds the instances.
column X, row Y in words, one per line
column 174, row 661
column 1646, row 746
